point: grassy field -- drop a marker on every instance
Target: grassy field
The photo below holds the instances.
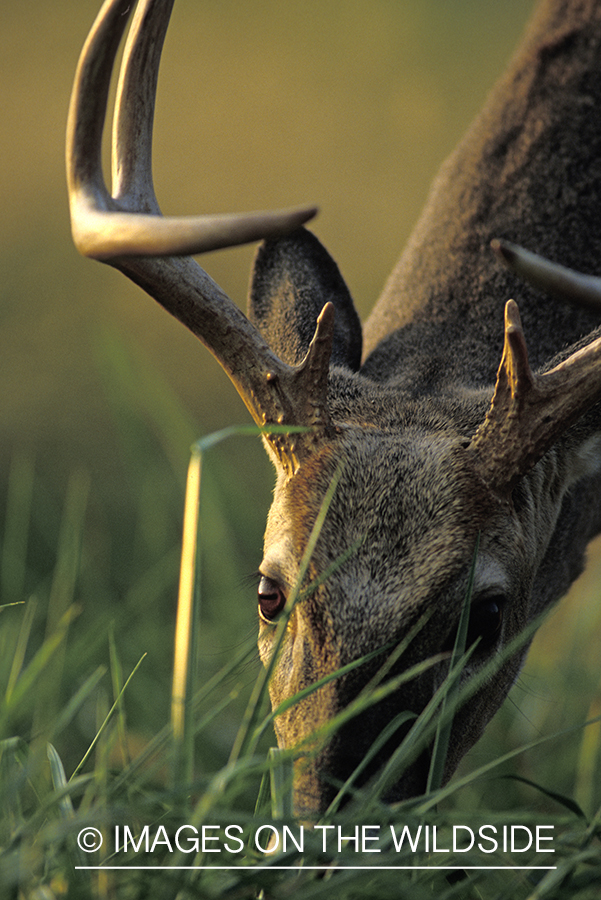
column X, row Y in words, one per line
column 352, row 106
column 87, row 748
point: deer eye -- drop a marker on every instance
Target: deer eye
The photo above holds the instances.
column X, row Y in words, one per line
column 272, row 599
column 486, row 618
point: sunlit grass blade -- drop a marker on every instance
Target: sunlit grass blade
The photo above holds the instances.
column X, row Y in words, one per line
column 186, row 630
column 188, row 610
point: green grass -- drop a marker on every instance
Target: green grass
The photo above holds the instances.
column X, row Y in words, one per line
column 86, row 736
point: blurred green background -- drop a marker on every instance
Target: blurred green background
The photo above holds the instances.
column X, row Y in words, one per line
column 351, row 105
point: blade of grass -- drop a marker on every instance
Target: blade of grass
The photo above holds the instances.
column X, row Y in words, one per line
column 385, row 735
column 440, row 748
column 281, row 778
column 257, row 700
column 160, row 740
column 310, row 689
column 16, row 528
column 553, row 795
column 59, row 781
column 322, row 734
column 425, row 726
column 13, row 766
column 62, row 593
column 188, row 613
column 117, row 682
column 473, row 685
column 396, row 723
column 263, row 801
column 102, row 745
column 186, row 630
column 107, row 719
column 23, row 689
column 73, row 706
column 588, row 758
column 247, row 763
column 420, row 806
column 64, row 801
column 20, row 648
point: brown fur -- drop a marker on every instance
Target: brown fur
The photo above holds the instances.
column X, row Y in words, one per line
column 425, row 463
column 529, row 170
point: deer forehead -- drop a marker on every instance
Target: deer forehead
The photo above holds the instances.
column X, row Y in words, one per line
column 404, row 517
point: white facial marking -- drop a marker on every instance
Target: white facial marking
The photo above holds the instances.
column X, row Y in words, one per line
column 490, row 575
column 587, row 460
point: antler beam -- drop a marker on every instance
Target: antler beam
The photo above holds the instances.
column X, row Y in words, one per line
column 127, row 230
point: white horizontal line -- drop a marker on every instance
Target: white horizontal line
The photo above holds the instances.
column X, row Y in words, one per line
column 326, row 866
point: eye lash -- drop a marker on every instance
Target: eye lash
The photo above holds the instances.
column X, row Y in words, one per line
column 252, row 579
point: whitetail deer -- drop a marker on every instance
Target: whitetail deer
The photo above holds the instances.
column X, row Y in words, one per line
column 425, row 461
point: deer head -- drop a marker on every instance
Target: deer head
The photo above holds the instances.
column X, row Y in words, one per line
column 416, row 452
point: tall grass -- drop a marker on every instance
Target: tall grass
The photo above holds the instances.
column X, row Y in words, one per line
column 88, row 739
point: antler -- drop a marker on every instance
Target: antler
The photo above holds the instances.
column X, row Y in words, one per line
column 127, row 230
column 530, row 412
column 561, row 282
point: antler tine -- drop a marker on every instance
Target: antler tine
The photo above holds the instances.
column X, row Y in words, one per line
column 561, row 282
column 87, row 110
column 107, row 228
column 134, row 108
column 529, row 411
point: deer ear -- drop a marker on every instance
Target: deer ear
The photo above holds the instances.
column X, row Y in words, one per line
column 293, row 278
